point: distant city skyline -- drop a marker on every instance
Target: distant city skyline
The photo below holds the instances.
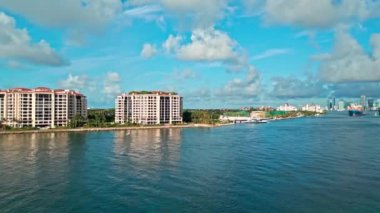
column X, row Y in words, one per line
column 215, row 53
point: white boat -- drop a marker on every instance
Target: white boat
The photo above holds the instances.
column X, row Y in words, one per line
column 257, row 121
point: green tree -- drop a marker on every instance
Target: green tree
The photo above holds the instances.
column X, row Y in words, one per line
column 187, row 115
column 77, row 121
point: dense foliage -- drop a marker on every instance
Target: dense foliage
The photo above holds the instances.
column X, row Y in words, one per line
column 202, row 116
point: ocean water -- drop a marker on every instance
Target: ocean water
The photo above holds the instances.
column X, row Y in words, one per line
column 327, row 164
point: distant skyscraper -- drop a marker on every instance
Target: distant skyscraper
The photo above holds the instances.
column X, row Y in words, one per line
column 328, row 104
column 333, row 103
column 371, row 103
column 377, row 103
column 341, row 105
column 363, row 101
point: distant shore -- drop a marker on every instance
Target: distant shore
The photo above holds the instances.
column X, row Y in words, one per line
column 99, row 129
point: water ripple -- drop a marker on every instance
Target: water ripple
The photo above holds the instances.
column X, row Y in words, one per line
column 304, row 165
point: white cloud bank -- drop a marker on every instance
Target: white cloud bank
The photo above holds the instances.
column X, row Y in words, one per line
column 73, row 14
column 16, row 45
column 249, row 87
column 202, row 14
column 349, row 62
column 320, row 13
column 295, row 88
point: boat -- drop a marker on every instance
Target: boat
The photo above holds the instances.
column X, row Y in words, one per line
column 257, row 121
column 355, row 112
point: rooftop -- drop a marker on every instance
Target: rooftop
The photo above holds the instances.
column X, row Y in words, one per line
column 40, row 89
column 152, row 92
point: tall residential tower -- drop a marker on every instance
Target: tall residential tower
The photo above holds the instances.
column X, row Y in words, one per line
column 148, row 108
column 40, row 107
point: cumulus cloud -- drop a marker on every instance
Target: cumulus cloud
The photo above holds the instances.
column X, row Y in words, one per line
column 294, row 88
column 72, row 14
column 318, row 14
column 74, row 82
column 248, row 87
column 172, row 43
column 148, row 51
column 111, row 86
column 208, row 45
column 349, row 62
column 355, row 90
column 16, row 45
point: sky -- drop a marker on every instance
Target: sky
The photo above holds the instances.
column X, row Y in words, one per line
column 215, row 53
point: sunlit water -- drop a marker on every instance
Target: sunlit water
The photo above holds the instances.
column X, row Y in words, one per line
column 301, row 165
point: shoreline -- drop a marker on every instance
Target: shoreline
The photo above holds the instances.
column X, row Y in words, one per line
column 103, row 129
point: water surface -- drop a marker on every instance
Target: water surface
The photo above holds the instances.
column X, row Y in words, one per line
column 301, row 165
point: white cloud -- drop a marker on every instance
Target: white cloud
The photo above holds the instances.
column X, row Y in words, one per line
column 148, row 51
column 201, row 13
column 248, row 87
column 74, row 82
column 271, row 53
column 80, row 15
column 111, row 86
column 148, row 12
column 209, row 45
column 348, row 61
column 172, row 43
column 355, row 90
column 318, row 14
column 294, row 88
column 16, row 45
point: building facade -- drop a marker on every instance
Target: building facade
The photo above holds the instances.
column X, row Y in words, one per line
column 40, row 107
column 148, row 108
column 341, row 105
column 312, row 108
column 287, row 108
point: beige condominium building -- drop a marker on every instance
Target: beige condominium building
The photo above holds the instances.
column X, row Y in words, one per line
column 40, row 107
column 148, row 108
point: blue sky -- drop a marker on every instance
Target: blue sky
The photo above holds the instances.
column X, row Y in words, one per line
column 215, row 53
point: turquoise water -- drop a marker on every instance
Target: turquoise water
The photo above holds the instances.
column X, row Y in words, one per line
column 301, row 165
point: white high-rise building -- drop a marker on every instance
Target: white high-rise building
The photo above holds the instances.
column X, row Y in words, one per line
column 40, row 107
column 312, row 108
column 287, row 108
column 341, row 105
column 148, row 108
